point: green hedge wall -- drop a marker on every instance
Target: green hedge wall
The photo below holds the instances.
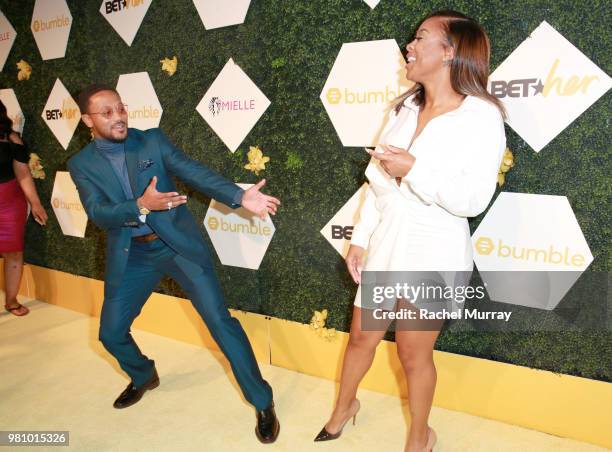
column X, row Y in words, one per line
column 288, row 48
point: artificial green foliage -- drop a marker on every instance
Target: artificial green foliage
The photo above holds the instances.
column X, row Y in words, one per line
column 288, row 48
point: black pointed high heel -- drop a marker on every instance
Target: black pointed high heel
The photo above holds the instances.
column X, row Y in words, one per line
column 324, row 435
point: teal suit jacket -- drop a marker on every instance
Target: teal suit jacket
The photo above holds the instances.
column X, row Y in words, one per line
column 148, row 154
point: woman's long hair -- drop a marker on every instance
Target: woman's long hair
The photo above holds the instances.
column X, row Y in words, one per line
column 469, row 70
column 6, row 124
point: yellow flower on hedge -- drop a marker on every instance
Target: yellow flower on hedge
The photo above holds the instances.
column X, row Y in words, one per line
column 169, row 65
column 257, row 161
column 36, row 168
column 318, row 319
column 24, row 70
column 506, row 163
column 329, row 334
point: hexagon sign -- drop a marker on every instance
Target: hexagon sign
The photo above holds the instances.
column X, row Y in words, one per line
column 7, row 38
column 239, row 237
column 67, row 205
column 125, row 16
column 364, row 80
column 530, row 249
column 338, row 231
column 51, row 23
column 144, row 109
column 221, row 13
column 61, row 113
column 232, row 105
column 13, row 110
column 372, row 3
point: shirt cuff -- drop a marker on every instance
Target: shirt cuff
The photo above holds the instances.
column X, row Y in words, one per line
column 237, row 199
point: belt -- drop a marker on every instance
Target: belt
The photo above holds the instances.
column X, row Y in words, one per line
column 146, row 238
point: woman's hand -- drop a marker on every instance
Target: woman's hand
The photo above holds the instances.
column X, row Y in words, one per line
column 396, row 162
column 354, row 262
column 39, row 214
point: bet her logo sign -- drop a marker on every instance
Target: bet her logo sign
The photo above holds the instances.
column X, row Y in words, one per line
column 545, row 84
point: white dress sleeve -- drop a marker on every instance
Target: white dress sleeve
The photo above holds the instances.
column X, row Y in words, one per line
column 369, row 217
column 465, row 182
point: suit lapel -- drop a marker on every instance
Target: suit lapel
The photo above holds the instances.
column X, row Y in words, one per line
column 105, row 171
column 131, row 159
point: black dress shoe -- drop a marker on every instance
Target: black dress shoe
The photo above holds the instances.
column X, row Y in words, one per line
column 267, row 425
column 132, row 394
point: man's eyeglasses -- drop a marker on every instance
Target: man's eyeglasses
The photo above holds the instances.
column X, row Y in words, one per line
column 107, row 113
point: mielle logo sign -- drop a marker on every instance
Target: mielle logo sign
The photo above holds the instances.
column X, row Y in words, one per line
column 217, row 105
column 45, row 25
column 548, row 254
column 562, row 86
column 336, row 95
column 227, row 225
column 65, row 112
column 114, row 6
column 61, row 204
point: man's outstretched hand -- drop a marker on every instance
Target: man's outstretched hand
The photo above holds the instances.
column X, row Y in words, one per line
column 256, row 202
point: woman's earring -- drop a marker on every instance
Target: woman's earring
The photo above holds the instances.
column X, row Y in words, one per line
column 446, row 62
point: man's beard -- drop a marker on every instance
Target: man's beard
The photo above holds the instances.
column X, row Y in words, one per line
column 111, row 138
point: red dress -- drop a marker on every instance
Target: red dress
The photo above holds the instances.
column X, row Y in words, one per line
column 13, row 205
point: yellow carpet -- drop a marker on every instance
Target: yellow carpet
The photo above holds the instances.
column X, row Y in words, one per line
column 55, row 375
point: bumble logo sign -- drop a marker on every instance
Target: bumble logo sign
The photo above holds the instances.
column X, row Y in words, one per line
column 144, row 109
column 545, row 84
column 125, row 16
column 51, row 23
column 61, row 113
column 7, row 38
column 484, row 246
column 13, row 110
column 240, row 239
column 339, row 230
column 538, row 238
column 384, row 97
column 364, row 80
column 67, row 206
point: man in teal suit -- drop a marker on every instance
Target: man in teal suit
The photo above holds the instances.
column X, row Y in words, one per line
column 124, row 181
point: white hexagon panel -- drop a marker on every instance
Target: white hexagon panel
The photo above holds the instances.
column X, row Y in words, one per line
column 372, row 3
column 7, row 38
column 144, row 109
column 51, row 23
column 338, row 231
column 221, row 13
column 530, row 250
column 232, row 105
column 239, row 237
column 61, row 113
column 67, row 205
column 362, row 84
column 125, row 16
column 13, row 110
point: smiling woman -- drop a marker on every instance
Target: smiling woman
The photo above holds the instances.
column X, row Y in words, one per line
column 443, row 145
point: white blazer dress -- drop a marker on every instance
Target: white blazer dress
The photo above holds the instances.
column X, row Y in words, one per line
column 421, row 225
